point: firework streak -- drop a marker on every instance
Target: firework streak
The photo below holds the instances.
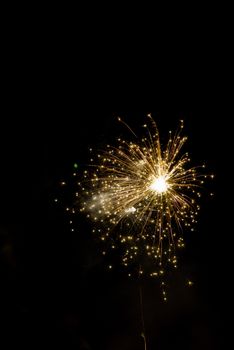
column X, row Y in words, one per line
column 140, row 196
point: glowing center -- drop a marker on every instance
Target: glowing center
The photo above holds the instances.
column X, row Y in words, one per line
column 159, row 185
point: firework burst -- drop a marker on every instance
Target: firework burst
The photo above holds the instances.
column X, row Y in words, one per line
column 140, row 196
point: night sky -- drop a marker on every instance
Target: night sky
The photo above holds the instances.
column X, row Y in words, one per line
column 62, row 86
column 56, row 290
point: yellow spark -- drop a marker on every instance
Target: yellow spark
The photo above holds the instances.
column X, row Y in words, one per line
column 159, row 184
column 143, row 195
column 190, row 283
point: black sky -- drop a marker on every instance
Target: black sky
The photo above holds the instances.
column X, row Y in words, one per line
column 55, row 288
column 55, row 285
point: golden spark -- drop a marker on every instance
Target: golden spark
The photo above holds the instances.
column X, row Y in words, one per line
column 140, row 196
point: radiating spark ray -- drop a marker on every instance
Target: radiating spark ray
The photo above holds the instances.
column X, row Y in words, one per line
column 142, row 195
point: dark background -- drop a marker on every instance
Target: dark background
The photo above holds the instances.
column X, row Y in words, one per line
column 58, row 100
column 55, row 286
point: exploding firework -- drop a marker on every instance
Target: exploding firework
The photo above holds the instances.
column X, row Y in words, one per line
column 140, row 196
